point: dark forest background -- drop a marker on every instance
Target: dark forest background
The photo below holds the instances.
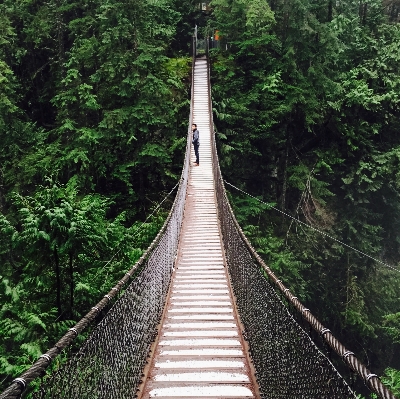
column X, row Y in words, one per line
column 94, row 105
column 306, row 101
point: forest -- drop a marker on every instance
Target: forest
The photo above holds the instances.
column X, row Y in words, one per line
column 94, row 106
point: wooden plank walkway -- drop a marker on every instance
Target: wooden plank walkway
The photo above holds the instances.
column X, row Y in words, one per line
column 199, row 351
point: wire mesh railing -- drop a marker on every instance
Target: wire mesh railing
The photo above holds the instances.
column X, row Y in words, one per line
column 111, row 361
column 287, row 362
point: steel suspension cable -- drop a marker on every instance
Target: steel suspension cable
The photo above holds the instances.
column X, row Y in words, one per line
column 313, row 228
column 288, row 364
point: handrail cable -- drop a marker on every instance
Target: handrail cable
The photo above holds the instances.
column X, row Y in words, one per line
column 256, row 310
column 19, row 385
column 133, row 320
column 313, row 228
column 38, row 369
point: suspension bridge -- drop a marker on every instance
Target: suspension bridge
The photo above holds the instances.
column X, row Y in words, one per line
column 200, row 314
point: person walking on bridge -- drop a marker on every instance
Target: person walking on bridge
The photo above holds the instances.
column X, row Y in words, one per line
column 196, row 142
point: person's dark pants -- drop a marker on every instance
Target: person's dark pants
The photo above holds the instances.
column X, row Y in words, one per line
column 196, row 152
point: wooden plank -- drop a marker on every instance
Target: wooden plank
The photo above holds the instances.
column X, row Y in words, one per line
column 200, row 351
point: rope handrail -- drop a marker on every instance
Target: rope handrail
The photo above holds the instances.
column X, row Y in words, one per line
column 38, row 369
column 371, row 380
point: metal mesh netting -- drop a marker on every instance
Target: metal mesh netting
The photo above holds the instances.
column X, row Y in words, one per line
column 111, row 362
column 287, row 362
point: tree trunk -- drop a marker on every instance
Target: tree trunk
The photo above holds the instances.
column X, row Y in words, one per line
column 284, row 177
column 71, row 284
column 58, row 281
column 330, row 10
column 286, row 17
column 60, row 39
column 363, row 13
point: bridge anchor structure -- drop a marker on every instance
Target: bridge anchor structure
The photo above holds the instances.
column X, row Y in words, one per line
column 200, row 315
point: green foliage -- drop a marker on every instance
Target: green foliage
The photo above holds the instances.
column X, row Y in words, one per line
column 392, row 326
column 94, row 95
column 306, row 109
column 61, row 254
column 391, row 379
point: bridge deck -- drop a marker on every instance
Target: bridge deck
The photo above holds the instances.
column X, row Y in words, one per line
column 200, row 352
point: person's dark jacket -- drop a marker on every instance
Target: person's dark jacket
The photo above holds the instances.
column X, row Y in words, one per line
column 196, row 140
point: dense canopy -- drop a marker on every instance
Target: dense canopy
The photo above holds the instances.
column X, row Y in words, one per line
column 94, row 105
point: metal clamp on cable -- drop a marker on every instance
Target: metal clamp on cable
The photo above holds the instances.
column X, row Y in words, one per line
column 347, row 354
column 114, row 288
column 47, row 357
column 286, row 289
column 108, row 297
column 21, row 381
column 324, row 331
column 305, row 310
column 369, row 376
column 294, row 297
column 96, row 308
column 74, row 330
